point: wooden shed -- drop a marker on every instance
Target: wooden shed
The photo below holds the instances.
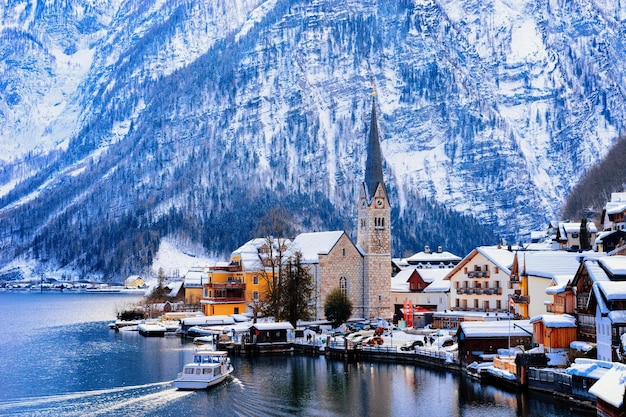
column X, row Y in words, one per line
column 478, row 338
column 270, row 332
column 554, row 331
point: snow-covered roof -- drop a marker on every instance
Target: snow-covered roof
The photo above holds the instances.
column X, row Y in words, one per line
column 314, row 244
column 575, row 227
column 439, row 285
column 558, row 265
column 174, row 288
column 616, row 265
column 400, row 283
column 615, row 207
column 596, row 273
column 433, row 274
column 281, row 325
column 610, row 387
column 555, row 320
column 612, row 290
column 499, row 328
column 618, row 317
column 589, row 368
column 433, row 257
column 193, row 277
column 207, row 320
column 499, row 255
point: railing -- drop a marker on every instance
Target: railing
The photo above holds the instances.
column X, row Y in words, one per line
column 227, row 268
column 478, row 274
column 233, row 285
column 226, row 299
column 521, row 299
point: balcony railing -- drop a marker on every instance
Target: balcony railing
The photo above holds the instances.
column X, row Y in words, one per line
column 232, row 285
column 478, row 274
column 227, row 268
column 521, row 299
column 227, row 299
column 480, row 291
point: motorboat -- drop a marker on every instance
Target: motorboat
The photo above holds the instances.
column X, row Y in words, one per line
column 208, row 368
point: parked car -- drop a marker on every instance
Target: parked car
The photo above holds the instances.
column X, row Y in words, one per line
column 373, row 341
column 412, row 345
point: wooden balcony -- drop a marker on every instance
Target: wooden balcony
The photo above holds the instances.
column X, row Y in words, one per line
column 521, row 299
column 228, row 285
column 478, row 274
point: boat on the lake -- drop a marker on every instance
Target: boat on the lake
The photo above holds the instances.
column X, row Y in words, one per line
column 151, row 329
column 208, row 368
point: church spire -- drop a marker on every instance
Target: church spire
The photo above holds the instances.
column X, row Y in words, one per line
column 374, row 164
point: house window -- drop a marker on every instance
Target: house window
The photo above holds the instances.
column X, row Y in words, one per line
column 236, row 311
column 496, row 270
column 255, row 295
column 255, row 280
column 344, row 251
column 476, row 303
column 499, row 304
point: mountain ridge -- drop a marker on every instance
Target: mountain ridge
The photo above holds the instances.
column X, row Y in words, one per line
column 191, row 114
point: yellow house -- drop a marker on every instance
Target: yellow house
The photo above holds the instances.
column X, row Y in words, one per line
column 192, row 283
column 233, row 287
column 134, row 281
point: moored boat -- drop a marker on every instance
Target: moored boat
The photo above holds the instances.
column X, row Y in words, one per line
column 151, row 329
column 208, row 368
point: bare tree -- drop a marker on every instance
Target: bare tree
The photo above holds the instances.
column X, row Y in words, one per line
column 275, row 225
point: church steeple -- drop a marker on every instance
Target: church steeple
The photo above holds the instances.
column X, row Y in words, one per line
column 374, row 164
column 374, row 230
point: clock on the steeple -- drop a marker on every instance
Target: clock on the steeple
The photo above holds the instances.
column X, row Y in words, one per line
column 380, row 202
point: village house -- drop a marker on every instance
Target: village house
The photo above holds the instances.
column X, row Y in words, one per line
column 610, row 241
column 541, row 270
column 614, row 211
column 480, row 282
column 424, row 288
column 597, row 298
column 568, row 235
column 192, row 284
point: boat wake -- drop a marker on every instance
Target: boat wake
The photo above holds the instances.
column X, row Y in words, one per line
column 132, row 400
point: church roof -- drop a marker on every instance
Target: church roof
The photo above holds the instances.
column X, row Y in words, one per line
column 374, row 164
column 311, row 245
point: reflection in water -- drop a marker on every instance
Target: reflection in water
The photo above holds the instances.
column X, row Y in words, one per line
column 81, row 368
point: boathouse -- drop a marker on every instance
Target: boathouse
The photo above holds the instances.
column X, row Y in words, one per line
column 479, row 338
column 270, row 332
column 554, row 331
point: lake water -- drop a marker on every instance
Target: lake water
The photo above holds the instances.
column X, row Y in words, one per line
column 58, row 358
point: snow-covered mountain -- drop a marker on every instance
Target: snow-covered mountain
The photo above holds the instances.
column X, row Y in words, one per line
column 125, row 121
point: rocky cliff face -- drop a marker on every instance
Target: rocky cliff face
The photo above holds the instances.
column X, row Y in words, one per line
column 125, row 121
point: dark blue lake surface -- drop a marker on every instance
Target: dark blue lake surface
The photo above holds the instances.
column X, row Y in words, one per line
column 58, row 358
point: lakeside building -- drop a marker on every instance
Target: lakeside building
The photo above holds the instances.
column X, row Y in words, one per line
column 596, row 296
column 360, row 270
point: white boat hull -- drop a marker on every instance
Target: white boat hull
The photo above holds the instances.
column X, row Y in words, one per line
column 199, row 384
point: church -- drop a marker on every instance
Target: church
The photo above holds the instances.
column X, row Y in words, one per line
column 361, row 270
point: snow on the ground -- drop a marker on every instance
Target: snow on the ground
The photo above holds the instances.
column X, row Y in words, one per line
column 176, row 261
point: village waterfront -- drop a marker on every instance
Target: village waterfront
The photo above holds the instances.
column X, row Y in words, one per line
column 59, row 358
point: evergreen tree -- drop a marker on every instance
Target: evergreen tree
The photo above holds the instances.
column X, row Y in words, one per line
column 337, row 307
column 584, row 235
column 297, row 287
